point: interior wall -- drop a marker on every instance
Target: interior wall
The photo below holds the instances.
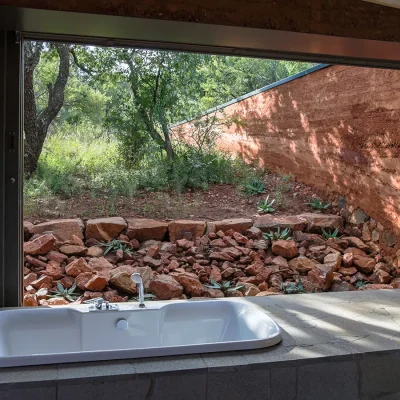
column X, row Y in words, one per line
column 337, row 129
column 347, row 18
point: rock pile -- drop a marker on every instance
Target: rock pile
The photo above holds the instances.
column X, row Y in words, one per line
column 231, row 256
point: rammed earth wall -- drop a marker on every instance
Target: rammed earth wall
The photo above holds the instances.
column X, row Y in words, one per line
column 336, row 128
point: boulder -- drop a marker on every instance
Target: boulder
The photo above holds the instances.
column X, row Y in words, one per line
column 122, row 280
column 43, row 281
column 62, row 229
column 27, row 230
column 104, row 229
column 73, row 250
column 254, row 233
column 186, row 229
column 349, row 271
column 358, row 217
column 146, row 229
column 95, row 251
column 342, row 287
column 56, row 301
column 57, row 257
column 215, row 274
column 285, row 248
column 76, row 267
column 301, row 264
column 237, row 225
column 29, row 278
column 165, row 287
column 191, row 284
column 322, row 276
column 215, row 255
column 268, row 223
column 96, row 283
column 41, row 245
column 212, row 293
column 329, row 222
column 101, row 267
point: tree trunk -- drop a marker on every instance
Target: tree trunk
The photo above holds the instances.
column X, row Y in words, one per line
column 36, row 125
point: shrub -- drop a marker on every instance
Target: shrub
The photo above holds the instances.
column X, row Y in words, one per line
column 278, row 235
column 254, row 186
column 266, row 206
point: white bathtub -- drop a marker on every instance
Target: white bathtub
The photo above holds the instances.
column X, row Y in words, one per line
column 73, row 333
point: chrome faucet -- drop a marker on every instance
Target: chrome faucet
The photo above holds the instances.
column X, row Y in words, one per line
column 136, row 278
column 100, row 304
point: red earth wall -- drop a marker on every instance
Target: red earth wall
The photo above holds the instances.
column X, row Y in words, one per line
column 337, row 129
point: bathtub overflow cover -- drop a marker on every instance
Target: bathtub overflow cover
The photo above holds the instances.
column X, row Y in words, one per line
column 122, row 324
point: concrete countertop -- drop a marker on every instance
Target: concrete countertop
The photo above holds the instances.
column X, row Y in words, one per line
column 341, row 326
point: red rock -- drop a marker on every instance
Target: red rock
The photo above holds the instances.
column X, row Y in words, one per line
column 27, row 227
column 232, row 252
column 255, row 269
column 173, row 265
column 322, row 276
column 73, row 250
column 348, row 259
column 191, row 284
column 147, row 275
column 30, row 300
column 364, row 264
column 237, row 225
column 95, row 251
column 67, row 281
column 76, row 240
column 218, row 243
column 228, row 272
column 57, row 301
column 342, row 287
column 146, row 229
column 135, row 244
column 104, row 229
column 383, row 276
column 57, row 257
column 301, row 264
column 82, row 279
column 42, row 280
column 382, row 266
column 96, row 283
column 35, row 262
column 101, row 267
column 356, row 242
column 41, row 245
column 268, row 223
column 279, row 260
column 165, row 287
column 212, row 293
column 347, row 271
column 254, row 233
column 263, row 286
column 396, row 283
column 122, row 280
column 76, row 267
column 333, row 260
column 241, row 239
column 28, row 279
column 337, row 244
column 285, row 248
column 315, row 222
column 62, row 229
column 275, row 280
column 266, row 293
column 375, row 287
column 42, row 294
column 184, row 244
column 220, row 256
column 54, row 270
column 215, row 274
column 186, row 229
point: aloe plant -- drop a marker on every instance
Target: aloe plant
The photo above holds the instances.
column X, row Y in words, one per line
column 254, row 186
column 317, row 204
column 278, row 235
column 68, row 294
column 293, row 288
column 224, row 287
column 115, row 245
column 266, row 206
column 329, row 235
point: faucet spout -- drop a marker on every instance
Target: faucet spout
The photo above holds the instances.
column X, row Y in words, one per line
column 136, row 277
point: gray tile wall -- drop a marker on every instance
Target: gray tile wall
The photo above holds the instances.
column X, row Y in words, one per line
column 374, row 376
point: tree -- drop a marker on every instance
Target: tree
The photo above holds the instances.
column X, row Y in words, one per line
column 36, row 119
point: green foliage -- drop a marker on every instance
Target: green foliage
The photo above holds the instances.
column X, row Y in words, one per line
column 266, row 206
column 293, row 288
column 68, row 294
column 317, row 204
column 328, row 235
column 360, row 284
column 278, row 235
column 224, row 287
column 115, row 245
column 254, row 186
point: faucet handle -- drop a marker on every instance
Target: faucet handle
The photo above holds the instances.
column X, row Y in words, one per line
column 96, row 300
